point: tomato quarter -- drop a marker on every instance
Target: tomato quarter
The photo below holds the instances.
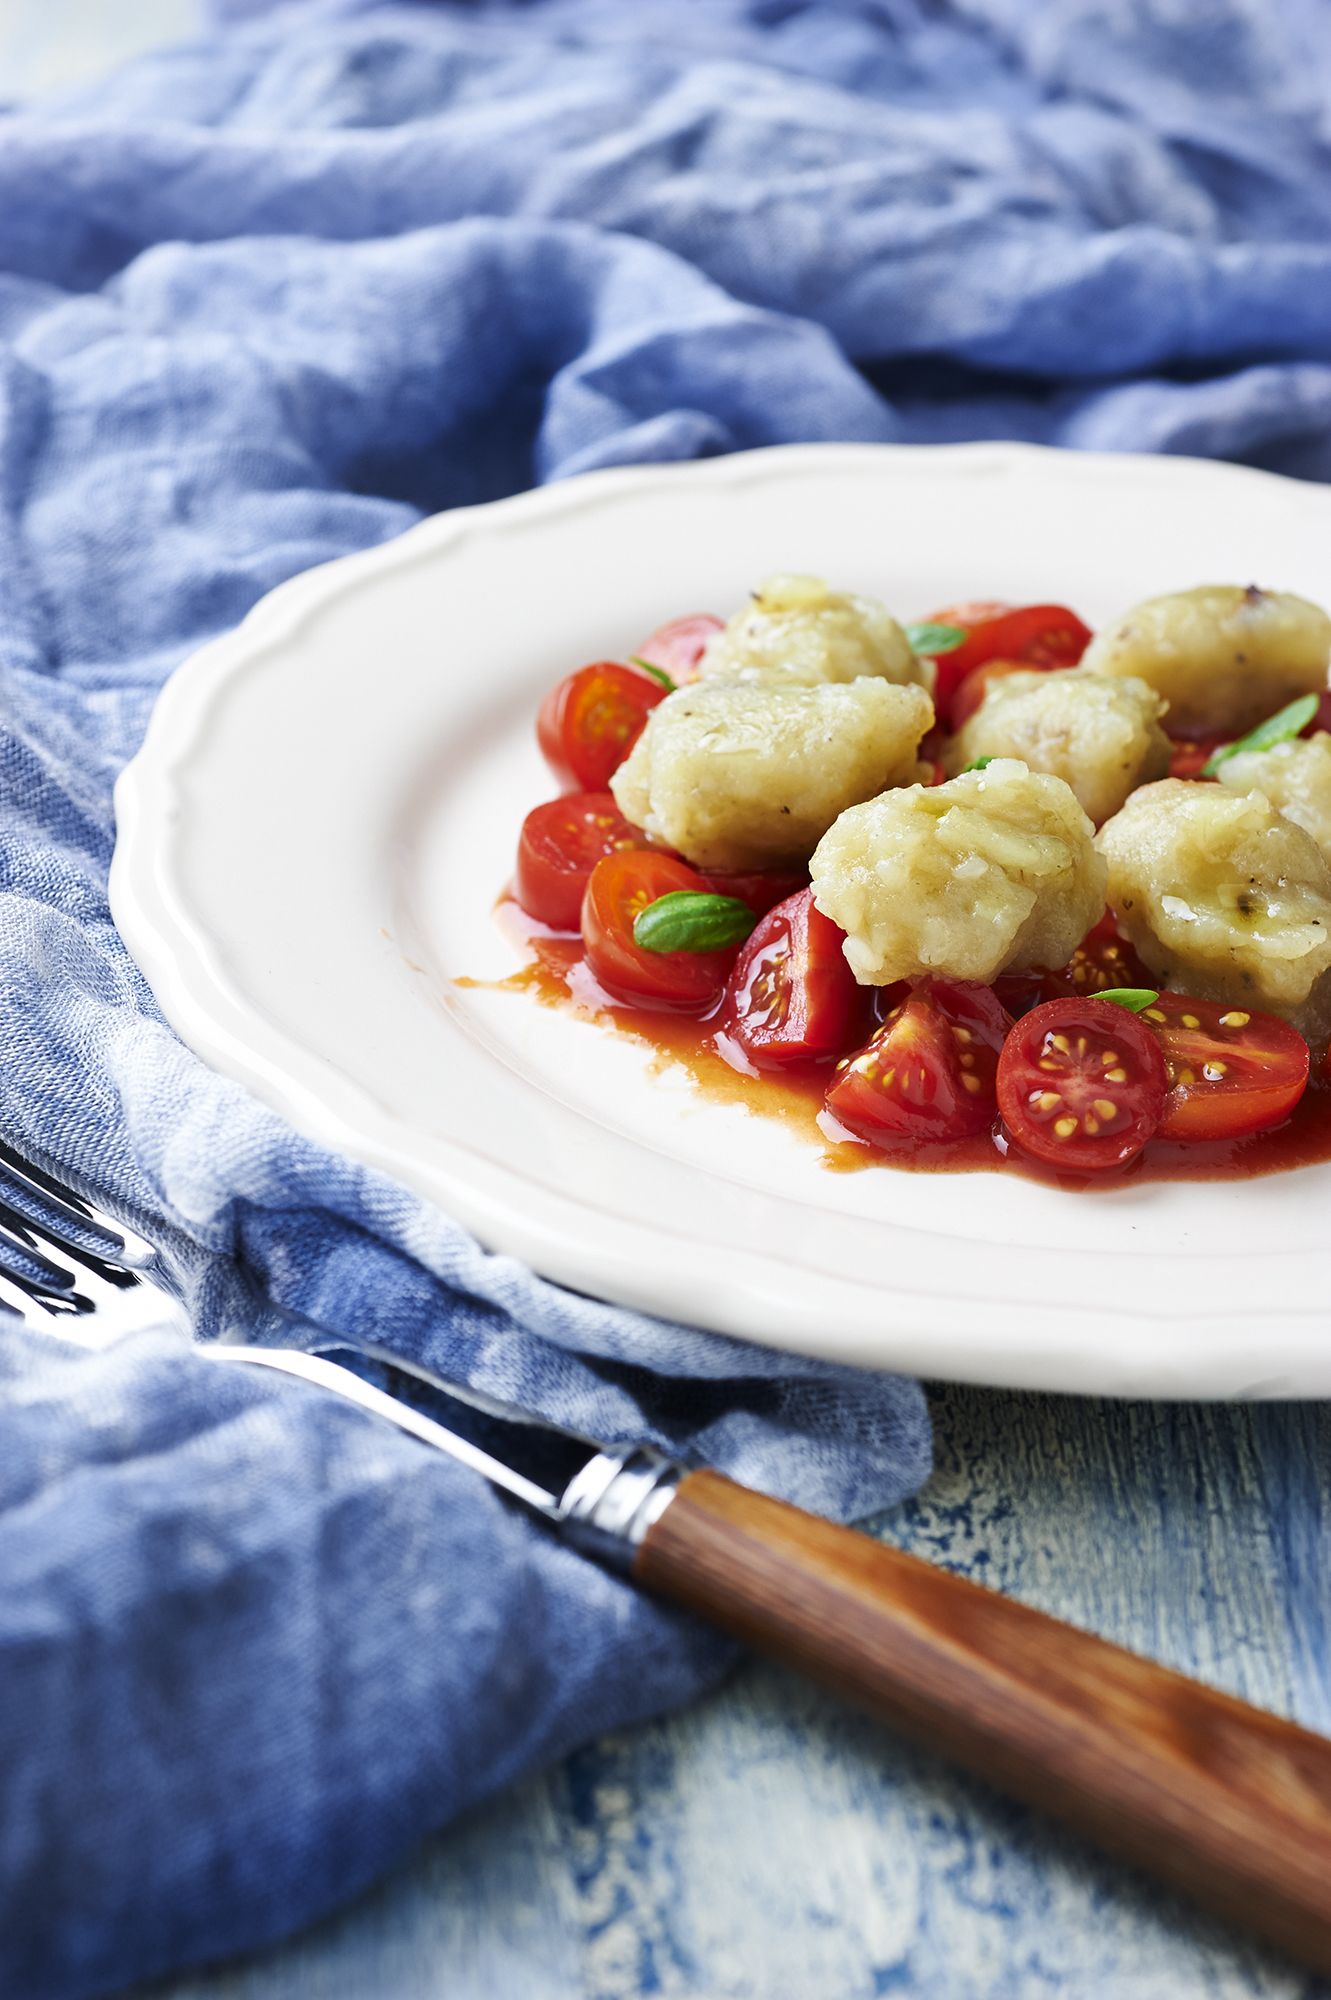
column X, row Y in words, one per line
column 679, row 646
column 590, row 722
column 1231, row 1072
column 1029, row 635
column 1081, row 1084
column 1102, row 960
column 791, row 996
column 561, row 843
column 927, row 1076
column 620, row 888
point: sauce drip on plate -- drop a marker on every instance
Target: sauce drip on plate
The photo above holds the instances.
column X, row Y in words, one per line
column 556, row 975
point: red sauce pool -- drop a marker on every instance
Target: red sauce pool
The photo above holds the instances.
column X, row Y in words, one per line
column 556, row 975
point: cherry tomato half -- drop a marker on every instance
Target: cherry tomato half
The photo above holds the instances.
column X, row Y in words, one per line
column 619, row 890
column 560, row 844
column 1231, row 1071
column 1036, row 635
column 679, row 646
column 761, row 891
column 1081, row 1085
column 1102, row 960
column 791, row 996
column 590, row 722
column 927, row 1076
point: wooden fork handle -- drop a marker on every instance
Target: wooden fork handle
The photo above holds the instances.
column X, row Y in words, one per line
column 1227, row 1803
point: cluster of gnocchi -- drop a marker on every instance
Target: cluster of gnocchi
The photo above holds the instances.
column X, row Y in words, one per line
column 803, row 741
column 946, row 816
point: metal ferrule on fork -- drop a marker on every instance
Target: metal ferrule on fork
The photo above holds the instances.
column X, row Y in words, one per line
column 609, row 1507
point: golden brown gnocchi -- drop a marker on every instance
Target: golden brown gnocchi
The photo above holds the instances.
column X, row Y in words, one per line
column 797, row 632
column 1295, row 776
column 736, row 776
column 1224, row 897
column 1223, row 657
column 1100, row 733
column 995, row 869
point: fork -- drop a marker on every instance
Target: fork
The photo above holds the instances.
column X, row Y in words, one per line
column 1221, row 1800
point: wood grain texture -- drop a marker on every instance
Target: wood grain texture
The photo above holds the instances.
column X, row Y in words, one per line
column 773, row 1844
column 1228, row 1803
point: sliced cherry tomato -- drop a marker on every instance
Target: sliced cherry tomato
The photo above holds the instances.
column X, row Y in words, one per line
column 791, row 997
column 762, row 892
column 927, row 1076
column 619, row 890
column 1102, row 960
column 1081, row 1085
column 969, row 693
column 1231, row 1071
column 679, row 646
column 561, row 843
column 1036, row 635
column 590, row 722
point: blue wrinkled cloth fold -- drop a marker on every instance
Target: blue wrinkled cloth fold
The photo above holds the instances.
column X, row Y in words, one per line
column 265, row 299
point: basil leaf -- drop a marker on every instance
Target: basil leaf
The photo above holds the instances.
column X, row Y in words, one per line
column 657, row 673
column 932, row 639
column 1135, row 998
column 692, row 920
column 980, row 764
column 1282, row 727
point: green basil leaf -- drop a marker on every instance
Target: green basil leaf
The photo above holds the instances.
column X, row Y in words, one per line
column 693, row 920
column 932, row 639
column 657, row 673
column 980, row 764
column 1282, row 727
column 1135, row 998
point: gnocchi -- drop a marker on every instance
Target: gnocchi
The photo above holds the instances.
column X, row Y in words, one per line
column 737, row 776
column 1295, row 776
column 1223, row 657
column 799, row 632
column 1101, row 734
column 996, row 869
column 1224, row 897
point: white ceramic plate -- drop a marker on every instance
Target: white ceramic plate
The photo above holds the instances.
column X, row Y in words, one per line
column 312, row 837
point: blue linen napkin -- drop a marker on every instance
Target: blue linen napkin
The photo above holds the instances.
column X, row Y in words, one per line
column 264, row 300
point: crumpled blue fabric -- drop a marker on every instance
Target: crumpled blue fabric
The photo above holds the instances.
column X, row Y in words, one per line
column 265, row 299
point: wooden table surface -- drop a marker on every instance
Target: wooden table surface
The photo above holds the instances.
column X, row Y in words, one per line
column 768, row 1845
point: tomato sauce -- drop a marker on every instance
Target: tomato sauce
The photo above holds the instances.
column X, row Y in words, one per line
column 556, row 975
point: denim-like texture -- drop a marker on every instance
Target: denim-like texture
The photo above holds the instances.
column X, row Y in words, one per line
column 264, row 300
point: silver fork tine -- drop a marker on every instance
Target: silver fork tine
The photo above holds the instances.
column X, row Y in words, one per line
column 65, row 1218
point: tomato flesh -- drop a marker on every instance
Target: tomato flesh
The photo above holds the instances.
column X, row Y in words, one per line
column 928, row 1075
column 1029, row 635
column 970, row 693
column 560, row 844
column 1189, row 755
column 1231, row 1072
column 589, row 723
column 761, row 891
column 679, row 646
column 619, row 889
column 1102, row 960
column 791, row 997
column 1081, row 1085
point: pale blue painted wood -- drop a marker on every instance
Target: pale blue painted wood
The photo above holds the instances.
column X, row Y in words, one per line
column 769, row 1845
